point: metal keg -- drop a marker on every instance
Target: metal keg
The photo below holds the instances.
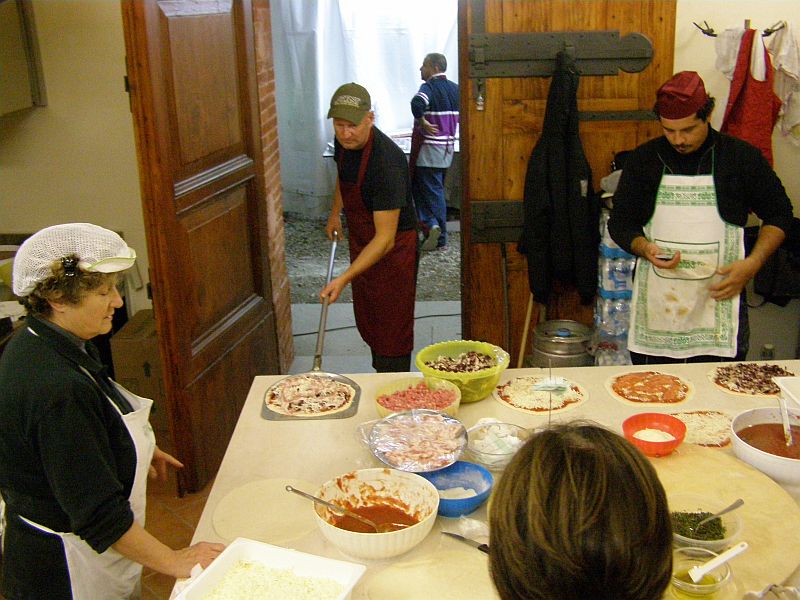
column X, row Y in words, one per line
column 562, row 343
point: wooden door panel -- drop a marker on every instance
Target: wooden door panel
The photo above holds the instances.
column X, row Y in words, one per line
column 514, row 111
column 194, row 99
column 204, row 76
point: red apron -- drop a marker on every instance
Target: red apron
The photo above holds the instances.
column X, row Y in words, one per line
column 383, row 295
column 753, row 107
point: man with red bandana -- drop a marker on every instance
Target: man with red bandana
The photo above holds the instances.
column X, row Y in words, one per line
column 681, row 206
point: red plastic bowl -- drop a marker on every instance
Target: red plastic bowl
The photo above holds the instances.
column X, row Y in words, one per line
column 672, row 425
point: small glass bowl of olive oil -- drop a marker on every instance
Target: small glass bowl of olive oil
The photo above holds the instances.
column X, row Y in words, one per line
column 682, row 586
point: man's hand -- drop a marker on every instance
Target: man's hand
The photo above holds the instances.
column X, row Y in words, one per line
column 735, row 277
column 651, row 251
column 334, row 224
column 333, row 290
column 429, row 127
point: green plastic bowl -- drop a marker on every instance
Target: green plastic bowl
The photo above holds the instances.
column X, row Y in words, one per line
column 475, row 385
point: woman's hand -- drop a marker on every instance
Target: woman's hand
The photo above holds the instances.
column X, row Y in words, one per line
column 161, row 460
column 202, row 553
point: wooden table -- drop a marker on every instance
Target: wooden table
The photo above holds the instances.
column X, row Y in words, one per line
column 265, row 453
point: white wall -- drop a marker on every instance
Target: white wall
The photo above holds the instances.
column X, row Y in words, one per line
column 75, row 159
column 695, row 52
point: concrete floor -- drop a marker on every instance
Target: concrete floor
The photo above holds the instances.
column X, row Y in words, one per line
column 345, row 352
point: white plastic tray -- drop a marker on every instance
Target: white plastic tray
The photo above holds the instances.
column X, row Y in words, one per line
column 274, row 557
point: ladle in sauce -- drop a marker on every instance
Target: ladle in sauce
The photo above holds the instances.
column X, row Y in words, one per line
column 378, row 527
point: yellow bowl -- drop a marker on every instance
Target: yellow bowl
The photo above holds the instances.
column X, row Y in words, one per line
column 475, row 385
column 432, row 383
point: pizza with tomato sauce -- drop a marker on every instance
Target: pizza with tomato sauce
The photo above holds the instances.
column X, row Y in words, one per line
column 649, row 387
column 309, row 395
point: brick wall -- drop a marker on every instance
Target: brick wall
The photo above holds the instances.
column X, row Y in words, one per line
column 272, row 177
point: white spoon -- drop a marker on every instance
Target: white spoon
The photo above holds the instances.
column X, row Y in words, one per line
column 696, row 573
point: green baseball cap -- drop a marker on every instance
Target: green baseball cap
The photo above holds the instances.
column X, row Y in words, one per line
column 350, row 102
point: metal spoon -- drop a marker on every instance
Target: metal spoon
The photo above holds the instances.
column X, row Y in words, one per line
column 378, row 527
column 733, row 506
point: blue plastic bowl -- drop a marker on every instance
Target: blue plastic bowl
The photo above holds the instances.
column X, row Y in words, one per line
column 461, row 474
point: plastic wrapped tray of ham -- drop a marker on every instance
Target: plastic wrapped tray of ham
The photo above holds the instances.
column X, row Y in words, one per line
column 417, row 441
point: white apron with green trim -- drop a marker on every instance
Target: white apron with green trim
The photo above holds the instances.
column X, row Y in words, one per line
column 672, row 312
column 110, row 575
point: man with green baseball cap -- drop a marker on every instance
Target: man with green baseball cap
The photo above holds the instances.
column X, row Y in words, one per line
column 350, row 102
column 374, row 191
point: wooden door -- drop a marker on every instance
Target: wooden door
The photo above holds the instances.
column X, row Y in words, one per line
column 496, row 141
column 191, row 72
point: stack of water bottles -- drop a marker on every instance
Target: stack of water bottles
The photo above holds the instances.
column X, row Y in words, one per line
column 613, row 307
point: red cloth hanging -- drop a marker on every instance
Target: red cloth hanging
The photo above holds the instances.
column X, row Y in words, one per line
column 753, row 107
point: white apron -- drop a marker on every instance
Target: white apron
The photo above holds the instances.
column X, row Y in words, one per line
column 672, row 312
column 111, row 576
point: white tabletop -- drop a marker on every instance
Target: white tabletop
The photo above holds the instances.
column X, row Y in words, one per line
column 315, row 451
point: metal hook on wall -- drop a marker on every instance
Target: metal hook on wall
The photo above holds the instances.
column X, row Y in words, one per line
column 480, row 100
column 705, row 28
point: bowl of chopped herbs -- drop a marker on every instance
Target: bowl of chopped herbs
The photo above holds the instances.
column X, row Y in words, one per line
column 687, row 510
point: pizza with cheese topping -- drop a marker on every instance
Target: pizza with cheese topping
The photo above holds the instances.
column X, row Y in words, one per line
column 706, row 427
column 649, row 387
column 748, row 379
column 309, row 395
column 519, row 393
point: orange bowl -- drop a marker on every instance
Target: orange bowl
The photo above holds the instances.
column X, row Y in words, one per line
column 666, row 423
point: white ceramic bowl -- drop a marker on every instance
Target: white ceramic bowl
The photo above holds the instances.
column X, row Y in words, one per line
column 414, row 494
column 687, row 502
column 781, row 469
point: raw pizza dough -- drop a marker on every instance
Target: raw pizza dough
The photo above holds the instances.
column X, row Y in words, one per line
column 445, row 575
column 706, row 427
column 309, row 395
column 651, row 384
column 519, row 394
column 748, row 379
column 249, row 511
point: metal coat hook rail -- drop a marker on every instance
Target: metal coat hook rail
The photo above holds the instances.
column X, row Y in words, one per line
column 706, row 29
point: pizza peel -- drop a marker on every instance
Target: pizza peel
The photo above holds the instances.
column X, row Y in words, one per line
column 316, row 369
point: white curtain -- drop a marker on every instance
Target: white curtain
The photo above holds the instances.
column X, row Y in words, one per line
column 318, row 45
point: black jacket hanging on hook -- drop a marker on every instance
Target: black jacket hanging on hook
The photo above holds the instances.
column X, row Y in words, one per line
column 560, row 235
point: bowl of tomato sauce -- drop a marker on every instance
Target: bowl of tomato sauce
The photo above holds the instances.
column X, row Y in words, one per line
column 758, row 439
column 381, row 495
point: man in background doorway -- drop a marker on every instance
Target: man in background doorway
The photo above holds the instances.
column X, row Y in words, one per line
column 435, row 108
column 373, row 189
column 681, row 206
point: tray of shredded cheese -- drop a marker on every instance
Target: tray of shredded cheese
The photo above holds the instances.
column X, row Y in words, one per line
column 254, row 570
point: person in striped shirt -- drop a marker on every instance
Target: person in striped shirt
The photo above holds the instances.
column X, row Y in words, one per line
column 435, row 108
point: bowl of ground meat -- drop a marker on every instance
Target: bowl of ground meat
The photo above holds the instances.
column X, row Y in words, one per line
column 418, row 392
column 475, row 367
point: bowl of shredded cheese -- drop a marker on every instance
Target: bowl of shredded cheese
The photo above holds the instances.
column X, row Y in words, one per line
column 251, row 569
column 494, row 444
column 655, row 434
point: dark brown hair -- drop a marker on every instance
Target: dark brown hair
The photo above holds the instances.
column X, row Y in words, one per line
column 580, row 513
column 68, row 284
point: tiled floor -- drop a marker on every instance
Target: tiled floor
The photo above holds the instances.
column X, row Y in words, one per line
column 173, row 520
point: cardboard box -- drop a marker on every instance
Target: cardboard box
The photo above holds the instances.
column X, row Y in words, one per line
column 137, row 365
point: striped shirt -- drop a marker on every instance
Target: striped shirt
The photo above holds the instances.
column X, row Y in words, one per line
column 437, row 101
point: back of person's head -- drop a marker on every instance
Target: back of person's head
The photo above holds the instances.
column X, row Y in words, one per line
column 580, row 514
column 437, row 61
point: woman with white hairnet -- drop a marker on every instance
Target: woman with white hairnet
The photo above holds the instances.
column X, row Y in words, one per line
column 75, row 447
